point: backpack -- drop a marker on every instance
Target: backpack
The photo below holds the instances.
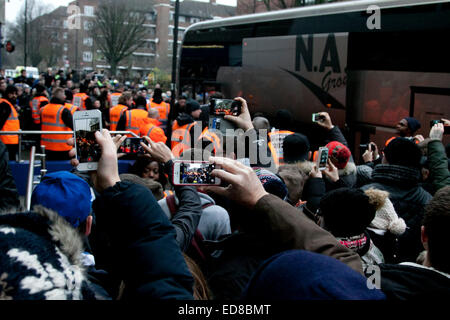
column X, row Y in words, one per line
column 197, row 249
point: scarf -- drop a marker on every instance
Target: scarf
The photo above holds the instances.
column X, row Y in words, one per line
column 396, row 175
column 359, row 244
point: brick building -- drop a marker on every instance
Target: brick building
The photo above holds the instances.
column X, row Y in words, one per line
column 258, row 6
column 68, row 31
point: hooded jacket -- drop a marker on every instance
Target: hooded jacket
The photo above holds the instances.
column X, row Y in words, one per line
column 409, row 200
column 214, row 220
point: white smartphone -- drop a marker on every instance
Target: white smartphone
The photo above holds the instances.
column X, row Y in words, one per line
column 194, row 173
column 88, row 152
column 322, row 158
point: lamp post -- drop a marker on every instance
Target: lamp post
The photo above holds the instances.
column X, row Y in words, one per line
column 174, row 67
column 25, row 37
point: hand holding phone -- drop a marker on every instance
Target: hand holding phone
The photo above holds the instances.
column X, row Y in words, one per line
column 243, row 120
column 245, row 187
column 132, row 146
column 194, row 173
column 226, row 107
column 322, row 158
column 88, row 152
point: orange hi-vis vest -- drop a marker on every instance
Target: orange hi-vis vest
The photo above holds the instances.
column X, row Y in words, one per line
column 416, row 141
column 276, row 143
column 163, row 109
column 213, row 138
column 79, row 100
column 51, row 121
column 114, row 115
column 35, row 108
column 149, row 129
column 181, row 138
column 11, row 124
column 115, row 98
column 71, row 107
column 134, row 120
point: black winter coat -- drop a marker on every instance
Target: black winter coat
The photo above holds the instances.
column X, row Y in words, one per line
column 143, row 251
column 409, row 200
column 9, row 197
column 413, row 282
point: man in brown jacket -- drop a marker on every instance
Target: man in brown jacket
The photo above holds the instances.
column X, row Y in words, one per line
column 283, row 225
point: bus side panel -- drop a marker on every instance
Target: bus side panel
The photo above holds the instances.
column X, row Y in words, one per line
column 382, row 98
column 304, row 74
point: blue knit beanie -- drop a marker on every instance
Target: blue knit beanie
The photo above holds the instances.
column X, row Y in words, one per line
column 303, row 275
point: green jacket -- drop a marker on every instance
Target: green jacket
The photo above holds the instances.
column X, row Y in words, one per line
column 438, row 165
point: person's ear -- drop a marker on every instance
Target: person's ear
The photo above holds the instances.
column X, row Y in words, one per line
column 87, row 232
column 424, row 237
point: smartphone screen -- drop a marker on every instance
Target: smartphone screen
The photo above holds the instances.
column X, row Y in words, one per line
column 88, row 149
column 323, row 158
column 132, row 146
column 194, row 173
column 227, row 107
column 316, row 117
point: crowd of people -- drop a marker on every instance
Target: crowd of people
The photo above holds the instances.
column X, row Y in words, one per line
column 280, row 229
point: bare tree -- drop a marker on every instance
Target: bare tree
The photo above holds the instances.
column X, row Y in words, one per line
column 118, row 31
column 37, row 36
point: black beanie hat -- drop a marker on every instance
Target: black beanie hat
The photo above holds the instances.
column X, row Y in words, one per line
column 346, row 212
column 192, row 105
column 403, row 152
column 295, row 148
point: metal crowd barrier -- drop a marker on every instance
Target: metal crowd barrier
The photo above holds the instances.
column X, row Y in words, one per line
column 32, row 179
column 32, row 132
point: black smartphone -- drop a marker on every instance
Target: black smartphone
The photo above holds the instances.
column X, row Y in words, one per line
column 446, row 128
column 132, row 146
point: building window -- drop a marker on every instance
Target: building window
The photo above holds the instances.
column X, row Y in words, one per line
column 65, row 47
column 170, row 31
column 65, row 24
column 88, row 42
column 171, row 16
column 89, row 10
column 65, row 35
column 87, row 25
column 87, row 56
column 181, row 19
column 194, row 20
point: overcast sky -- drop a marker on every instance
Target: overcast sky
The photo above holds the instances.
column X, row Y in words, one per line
column 13, row 6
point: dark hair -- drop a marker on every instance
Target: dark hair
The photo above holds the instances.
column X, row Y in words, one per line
column 403, row 152
column 157, row 96
column 437, row 224
column 140, row 101
column 39, row 88
column 10, row 89
column 141, row 163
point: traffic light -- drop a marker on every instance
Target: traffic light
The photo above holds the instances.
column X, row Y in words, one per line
column 9, row 46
